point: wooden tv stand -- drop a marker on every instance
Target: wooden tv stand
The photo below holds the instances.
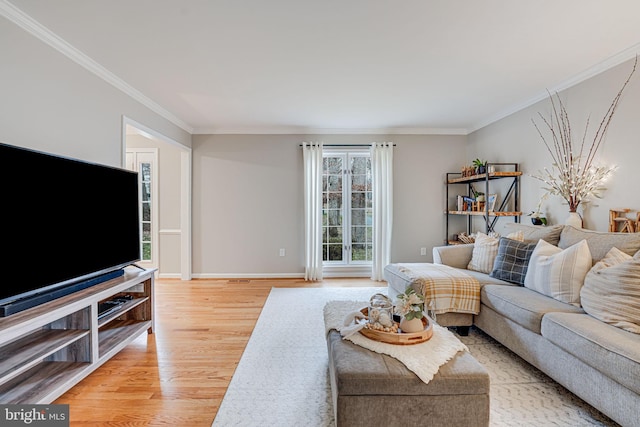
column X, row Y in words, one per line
column 46, row 350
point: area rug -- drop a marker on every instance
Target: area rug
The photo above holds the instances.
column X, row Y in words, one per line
column 282, row 378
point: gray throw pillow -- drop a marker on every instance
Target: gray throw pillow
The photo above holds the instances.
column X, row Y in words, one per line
column 600, row 242
column 512, row 260
column 533, row 233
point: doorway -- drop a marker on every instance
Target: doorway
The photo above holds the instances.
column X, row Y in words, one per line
column 164, row 166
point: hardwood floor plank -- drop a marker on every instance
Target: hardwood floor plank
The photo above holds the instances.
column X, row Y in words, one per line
column 178, row 375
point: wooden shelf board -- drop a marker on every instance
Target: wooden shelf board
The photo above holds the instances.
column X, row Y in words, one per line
column 482, row 177
column 123, row 309
column 482, row 213
column 26, row 352
column 119, row 332
column 39, row 383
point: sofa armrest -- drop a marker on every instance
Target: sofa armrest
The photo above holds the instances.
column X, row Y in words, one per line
column 457, row 256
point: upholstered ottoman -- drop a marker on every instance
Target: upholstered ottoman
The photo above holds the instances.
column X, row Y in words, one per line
column 372, row 389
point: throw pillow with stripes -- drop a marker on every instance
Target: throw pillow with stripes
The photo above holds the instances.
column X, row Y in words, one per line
column 611, row 291
column 485, row 251
column 559, row 273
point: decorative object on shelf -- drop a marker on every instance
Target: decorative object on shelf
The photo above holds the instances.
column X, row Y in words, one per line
column 620, row 223
column 574, row 175
column 480, row 166
column 410, row 306
column 491, row 200
column 464, row 238
column 538, row 217
column 467, row 171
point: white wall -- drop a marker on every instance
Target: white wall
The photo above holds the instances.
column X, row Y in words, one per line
column 52, row 104
column 248, row 199
column 514, row 139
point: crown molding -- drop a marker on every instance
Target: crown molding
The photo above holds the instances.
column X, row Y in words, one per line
column 30, row 25
column 293, row 130
column 593, row 71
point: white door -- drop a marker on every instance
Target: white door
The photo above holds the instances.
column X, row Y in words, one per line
column 145, row 161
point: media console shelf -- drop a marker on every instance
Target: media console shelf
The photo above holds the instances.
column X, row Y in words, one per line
column 46, row 350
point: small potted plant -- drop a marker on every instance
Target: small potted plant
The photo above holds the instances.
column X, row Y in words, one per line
column 538, row 217
column 480, row 165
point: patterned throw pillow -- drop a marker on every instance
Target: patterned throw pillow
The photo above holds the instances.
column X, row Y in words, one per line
column 559, row 273
column 485, row 250
column 611, row 291
column 512, row 260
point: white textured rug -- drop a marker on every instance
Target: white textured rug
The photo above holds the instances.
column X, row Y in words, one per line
column 282, row 378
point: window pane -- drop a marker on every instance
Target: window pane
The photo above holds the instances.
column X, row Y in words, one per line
column 358, row 234
column 332, row 165
column 358, row 183
column 146, row 251
column 146, row 212
column 335, row 252
column 358, row 200
column 359, row 253
column 335, row 183
column 334, row 201
column 335, row 217
column 145, row 171
column 146, row 191
column 146, row 232
column 334, row 235
column 359, row 165
column 358, row 217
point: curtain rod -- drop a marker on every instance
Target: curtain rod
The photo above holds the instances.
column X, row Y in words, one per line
column 347, row 145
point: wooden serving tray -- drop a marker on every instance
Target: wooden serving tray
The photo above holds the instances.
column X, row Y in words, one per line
column 399, row 338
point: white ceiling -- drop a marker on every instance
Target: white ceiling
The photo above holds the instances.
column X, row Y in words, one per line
column 281, row 66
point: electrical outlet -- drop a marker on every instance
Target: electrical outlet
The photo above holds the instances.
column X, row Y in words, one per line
column 423, row 251
column 282, row 252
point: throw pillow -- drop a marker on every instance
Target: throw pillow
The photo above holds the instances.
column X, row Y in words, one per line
column 559, row 273
column 485, row 250
column 600, row 242
column 611, row 291
column 533, row 233
column 512, row 260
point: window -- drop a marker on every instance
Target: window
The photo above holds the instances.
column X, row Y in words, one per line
column 346, row 208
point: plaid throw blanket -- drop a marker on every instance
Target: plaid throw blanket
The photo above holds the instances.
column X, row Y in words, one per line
column 451, row 289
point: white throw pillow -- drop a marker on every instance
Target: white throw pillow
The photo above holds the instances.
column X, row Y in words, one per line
column 485, row 250
column 611, row 291
column 559, row 273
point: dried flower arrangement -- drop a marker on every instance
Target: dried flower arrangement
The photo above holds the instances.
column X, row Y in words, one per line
column 573, row 175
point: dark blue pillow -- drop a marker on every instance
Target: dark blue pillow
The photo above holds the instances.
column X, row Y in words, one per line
column 512, row 261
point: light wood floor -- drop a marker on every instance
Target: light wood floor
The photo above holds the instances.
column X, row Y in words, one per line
column 178, row 375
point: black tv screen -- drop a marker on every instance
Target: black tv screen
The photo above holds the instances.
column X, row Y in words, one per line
column 65, row 221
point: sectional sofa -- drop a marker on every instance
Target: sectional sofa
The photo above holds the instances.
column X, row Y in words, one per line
column 569, row 305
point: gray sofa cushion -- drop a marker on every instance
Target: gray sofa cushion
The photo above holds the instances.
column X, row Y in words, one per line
column 612, row 351
column 522, row 305
column 485, row 279
column 600, row 242
column 533, row 233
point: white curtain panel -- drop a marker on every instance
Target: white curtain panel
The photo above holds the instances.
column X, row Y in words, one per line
column 382, row 188
column 312, row 210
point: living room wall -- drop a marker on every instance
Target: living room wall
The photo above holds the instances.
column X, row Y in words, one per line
column 248, row 199
column 52, row 104
column 515, row 139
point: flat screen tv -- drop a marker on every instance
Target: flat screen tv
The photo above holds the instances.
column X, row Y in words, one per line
column 67, row 224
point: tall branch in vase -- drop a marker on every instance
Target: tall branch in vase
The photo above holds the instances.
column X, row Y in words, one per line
column 574, row 175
